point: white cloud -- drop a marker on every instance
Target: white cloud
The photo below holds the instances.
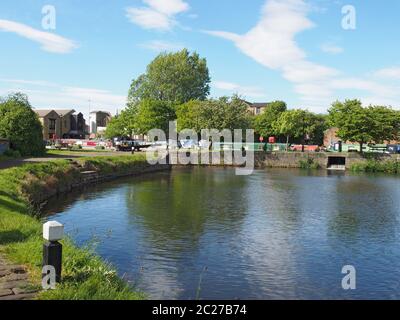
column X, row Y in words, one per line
column 168, row 7
column 272, row 44
column 158, row 14
column 46, row 95
column 331, row 48
column 49, row 42
column 160, row 46
column 389, row 73
column 246, row 91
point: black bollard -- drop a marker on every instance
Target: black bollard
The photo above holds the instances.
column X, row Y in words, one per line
column 52, row 256
column 53, row 231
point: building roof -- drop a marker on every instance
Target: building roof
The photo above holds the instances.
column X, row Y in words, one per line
column 43, row 113
column 256, row 104
column 260, row 105
column 61, row 113
column 98, row 111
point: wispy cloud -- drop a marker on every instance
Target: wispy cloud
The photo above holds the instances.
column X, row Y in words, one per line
column 158, row 14
column 246, row 91
column 161, row 45
column 49, row 42
column 272, row 44
column 46, row 95
column 389, row 73
column 331, row 48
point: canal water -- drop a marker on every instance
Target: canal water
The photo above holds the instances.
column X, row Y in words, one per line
column 205, row 233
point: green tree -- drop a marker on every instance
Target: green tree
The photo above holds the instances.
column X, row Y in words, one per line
column 20, row 124
column 291, row 124
column 178, row 77
column 124, row 124
column 116, row 128
column 220, row 114
column 153, row 114
column 354, row 122
column 314, row 127
column 264, row 124
column 385, row 123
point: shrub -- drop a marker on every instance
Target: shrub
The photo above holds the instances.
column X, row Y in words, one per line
column 21, row 126
column 371, row 165
column 12, row 153
column 309, row 164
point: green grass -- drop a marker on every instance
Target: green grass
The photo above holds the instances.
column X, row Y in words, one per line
column 372, row 165
column 85, row 275
column 309, row 164
column 75, row 151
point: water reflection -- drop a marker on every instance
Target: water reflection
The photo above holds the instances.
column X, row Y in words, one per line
column 275, row 234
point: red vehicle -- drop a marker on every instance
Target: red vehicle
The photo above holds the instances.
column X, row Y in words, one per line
column 307, row 148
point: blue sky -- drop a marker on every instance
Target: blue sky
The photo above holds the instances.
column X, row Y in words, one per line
column 292, row 50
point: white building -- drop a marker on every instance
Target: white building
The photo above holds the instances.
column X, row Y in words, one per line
column 98, row 121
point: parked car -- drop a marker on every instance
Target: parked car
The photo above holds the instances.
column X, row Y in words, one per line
column 393, row 148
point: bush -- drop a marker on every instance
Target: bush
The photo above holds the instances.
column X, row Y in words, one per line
column 76, row 147
column 12, row 153
column 21, row 126
column 309, row 164
column 377, row 166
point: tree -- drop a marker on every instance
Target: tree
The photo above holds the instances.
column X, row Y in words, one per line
column 314, row 127
column 153, row 114
column 385, row 123
column 20, row 125
column 124, row 125
column 264, row 124
column 291, row 124
column 220, row 114
column 177, row 77
column 354, row 122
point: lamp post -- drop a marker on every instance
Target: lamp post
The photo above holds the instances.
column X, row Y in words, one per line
column 53, row 232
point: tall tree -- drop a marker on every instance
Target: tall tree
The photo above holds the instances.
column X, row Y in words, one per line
column 291, row 124
column 385, row 124
column 21, row 125
column 264, row 124
column 220, row 114
column 153, row 114
column 314, row 127
column 354, row 122
column 178, row 77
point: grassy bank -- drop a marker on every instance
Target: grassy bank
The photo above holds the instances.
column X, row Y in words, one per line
column 309, row 164
column 85, row 276
column 372, row 165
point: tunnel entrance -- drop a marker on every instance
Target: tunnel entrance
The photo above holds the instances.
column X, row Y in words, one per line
column 336, row 163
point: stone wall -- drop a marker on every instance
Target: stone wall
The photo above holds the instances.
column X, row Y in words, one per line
column 37, row 193
column 293, row 159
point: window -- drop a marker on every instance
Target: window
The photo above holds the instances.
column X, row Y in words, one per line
column 257, row 111
column 52, row 124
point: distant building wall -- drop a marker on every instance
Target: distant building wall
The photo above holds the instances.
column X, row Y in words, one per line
column 51, row 125
column 98, row 121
